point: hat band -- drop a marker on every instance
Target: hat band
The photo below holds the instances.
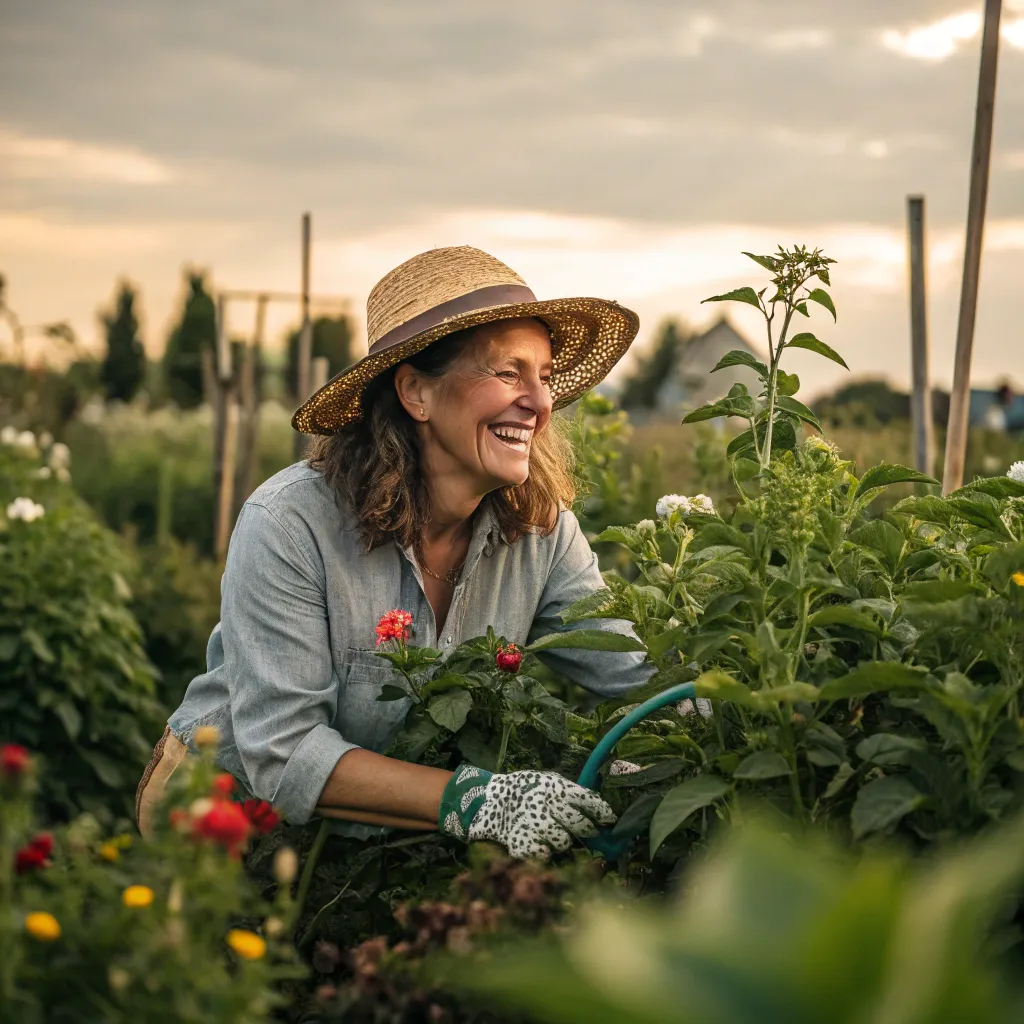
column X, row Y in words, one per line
column 482, row 298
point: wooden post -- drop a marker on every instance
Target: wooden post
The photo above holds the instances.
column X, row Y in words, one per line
column 305, row 355
column 959, row 399
column 250, row 402
column 225, row 436
column 921, row 394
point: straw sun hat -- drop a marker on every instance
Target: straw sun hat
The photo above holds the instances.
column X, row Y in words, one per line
column 447, row 290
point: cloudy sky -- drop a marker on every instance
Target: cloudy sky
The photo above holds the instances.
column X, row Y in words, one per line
column 628, row 149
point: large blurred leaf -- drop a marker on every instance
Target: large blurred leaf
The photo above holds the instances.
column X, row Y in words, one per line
column 885, row 474
column 587, row 640
column 765, row 764
column 873, row 677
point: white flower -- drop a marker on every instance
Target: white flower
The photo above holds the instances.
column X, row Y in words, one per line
column 60, row 455
column 45, row 439
column 43, row 472
column 1016, row 472
column 24, row 508
column 702, row 503
column 668, row 503
column 646, row 525
column 8, row 435
column 26, row 439
column 624, row 768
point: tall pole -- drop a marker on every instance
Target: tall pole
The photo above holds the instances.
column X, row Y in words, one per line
column 921, row 394
column 306, row 333
column 225, row 436
column 959, row 402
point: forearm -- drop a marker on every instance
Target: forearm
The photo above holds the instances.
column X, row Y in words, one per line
column 380, row 790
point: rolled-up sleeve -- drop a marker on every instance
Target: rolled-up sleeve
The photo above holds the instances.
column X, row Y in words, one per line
column 278, row 665
column 575, row 574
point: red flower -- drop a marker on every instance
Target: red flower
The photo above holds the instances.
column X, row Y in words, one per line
column 393, row 625
column 34, row 856
column 223, row 785
column 508, row 658
column 224, row 823
column 261, row 815
column 14, row 760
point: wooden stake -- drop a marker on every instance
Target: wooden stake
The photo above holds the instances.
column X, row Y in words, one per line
column 921, row 394
column 249, row 398
column 305, row 354
column 225, row 436
column 959, row 399
column 318, row 377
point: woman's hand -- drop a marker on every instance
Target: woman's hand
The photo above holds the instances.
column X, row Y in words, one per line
column 530, row 813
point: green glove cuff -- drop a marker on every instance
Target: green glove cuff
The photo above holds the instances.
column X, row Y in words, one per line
column 462, row 798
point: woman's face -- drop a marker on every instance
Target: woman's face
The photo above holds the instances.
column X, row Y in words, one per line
column 482, row 415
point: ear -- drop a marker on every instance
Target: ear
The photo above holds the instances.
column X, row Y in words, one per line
column 414, row 392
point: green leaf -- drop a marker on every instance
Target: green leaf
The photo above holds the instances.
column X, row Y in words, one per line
column 813, row 344
column 9, row 643
column 822, row 297
column 679, row 803
column 994, row 486
column 741, row 442
column 925, row 592
column 39, row 646
column 664, row 642
column 888, row 749
column 69, row 717
column 389, row 691
column 765, row 764
column 885, row 474
column 476, row 750
column 706, row 412
column 787, row 384
column 768, row 262
column 657, row 772
column 737, row 357
column 747, row 295
column 106, row 770
column 883, row 803
column 719, row 686
column 587, row 640
column 637, row 816
column 798, row 409
column 419, row 732
column 874, row 677
column 844, row 615
column 450, row 709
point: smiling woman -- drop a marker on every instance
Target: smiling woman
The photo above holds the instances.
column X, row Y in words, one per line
column 440, row 486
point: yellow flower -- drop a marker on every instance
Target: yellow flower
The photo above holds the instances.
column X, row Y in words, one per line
column 108, row 851
column 137, row 896
column 248, row 945
column 206, row 736
column 42, row 926
column 1018, row 578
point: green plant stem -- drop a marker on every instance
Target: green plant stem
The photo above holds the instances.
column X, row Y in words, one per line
column 309, row 868
column 506, row 731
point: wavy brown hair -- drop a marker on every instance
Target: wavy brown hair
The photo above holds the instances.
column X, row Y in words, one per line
column 374, row 464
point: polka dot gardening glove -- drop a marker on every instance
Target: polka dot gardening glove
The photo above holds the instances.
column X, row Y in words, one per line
column 530, row 813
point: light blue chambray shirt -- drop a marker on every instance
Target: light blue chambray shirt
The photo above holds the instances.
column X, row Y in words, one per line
column 292, row 679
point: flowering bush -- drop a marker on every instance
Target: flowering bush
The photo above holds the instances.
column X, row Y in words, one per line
column 74, row 680
column 105, row 929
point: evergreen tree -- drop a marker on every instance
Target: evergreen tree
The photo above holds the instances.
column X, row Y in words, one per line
column 124, row 366
column 332, row 337
column 196, row 330
column 640, row 389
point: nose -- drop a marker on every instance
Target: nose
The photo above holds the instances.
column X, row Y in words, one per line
column 537, row 400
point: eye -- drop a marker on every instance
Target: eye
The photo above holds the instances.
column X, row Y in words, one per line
column 509, row 375
column 546, row 381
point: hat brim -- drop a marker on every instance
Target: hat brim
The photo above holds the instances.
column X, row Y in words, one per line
column 588, row 337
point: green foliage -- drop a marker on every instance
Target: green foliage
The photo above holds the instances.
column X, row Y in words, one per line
column 163, row 956
column 332, row 339
column 777, row 929
column 74, row 678
column 196, row 330
column 124, row 367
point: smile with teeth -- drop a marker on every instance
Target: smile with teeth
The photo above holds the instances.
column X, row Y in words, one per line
column 516, row 438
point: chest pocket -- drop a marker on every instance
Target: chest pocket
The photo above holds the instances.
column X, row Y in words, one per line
column 362, row 719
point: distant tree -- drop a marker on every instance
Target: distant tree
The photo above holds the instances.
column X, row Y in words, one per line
column 640, row 389
column 864, row 403
column 332, row 337
column 124, row 366
column 196, row 330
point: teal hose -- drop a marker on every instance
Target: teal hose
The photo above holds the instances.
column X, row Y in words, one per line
column 609, row 843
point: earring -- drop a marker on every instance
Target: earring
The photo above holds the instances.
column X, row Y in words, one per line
column 423, row 412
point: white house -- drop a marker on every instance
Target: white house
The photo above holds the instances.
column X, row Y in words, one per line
column 691, row 382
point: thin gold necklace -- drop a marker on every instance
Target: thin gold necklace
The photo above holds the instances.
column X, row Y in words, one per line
column 451, row 577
